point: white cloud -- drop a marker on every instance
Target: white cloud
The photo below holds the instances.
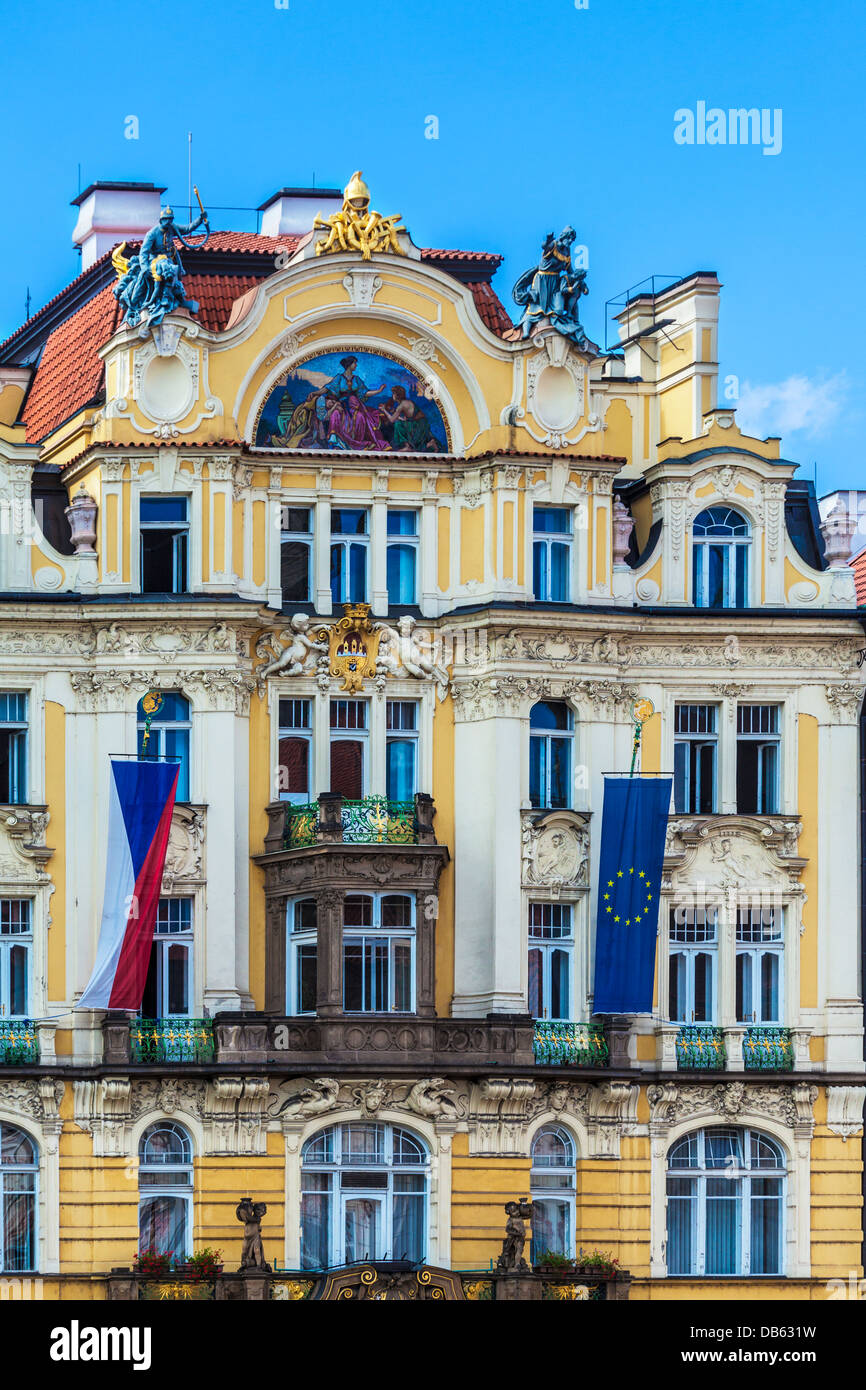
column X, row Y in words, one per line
column 800, row 403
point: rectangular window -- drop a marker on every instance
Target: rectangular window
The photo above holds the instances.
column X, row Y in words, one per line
column 551, row 944
column 760, row 957
column 551, row 742
column 168, row 988
column 758, row 746
column 296, row 554
column 349, row 748
column 303, row 956
column 164, row 528
column 693, row 936
column 13, row 749
column 401, row 749
column 16, row 944
column 695, row 759
column 402, row 557
column 295, row 750
column 350, row 541
column 378, row 953
column 169, row 736
column 551, row 553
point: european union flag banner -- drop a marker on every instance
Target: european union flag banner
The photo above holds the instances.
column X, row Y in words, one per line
column 633, row 828
column 139, row 820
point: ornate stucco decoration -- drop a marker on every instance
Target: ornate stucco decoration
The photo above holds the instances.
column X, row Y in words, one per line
column 733, row 853
column 845, row 1110
column 357, row 227
column 184, row 859
column 555, row 397
column 555, row 850
column 354, row 649
column 23, row 851
column 432, row 1098
column 790, row 1105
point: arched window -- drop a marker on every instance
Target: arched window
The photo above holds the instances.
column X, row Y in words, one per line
column 169, row 735
column 551, row 735
column 165, row 1190
column 19, row 1169
column 726, row 1203
column 553, row 1181
column 364, row 1195
column 720, row 559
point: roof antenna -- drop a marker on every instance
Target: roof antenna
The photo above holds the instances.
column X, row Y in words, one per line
column 27, row 305
column 79, row 178
column 189, row 173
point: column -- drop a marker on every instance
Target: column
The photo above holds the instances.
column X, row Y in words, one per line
column 329, row 953
column 322, row 562
column 379, row 545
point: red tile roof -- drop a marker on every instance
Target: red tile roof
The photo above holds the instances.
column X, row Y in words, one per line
column 435, row 253
column 858, row 565
column 70, row 371
column 490, row 307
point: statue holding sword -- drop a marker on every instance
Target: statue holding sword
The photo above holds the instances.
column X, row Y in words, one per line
column 150, row 285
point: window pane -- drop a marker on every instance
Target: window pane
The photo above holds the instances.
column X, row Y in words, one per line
column 162, row 509
column 706, row 759
column 681, row 771
column 402, row 950
column 550, row 714
column 401, row 574
column 537, row 767
column 402, row 523
column 560, row 556
column 357, row 574
column 677, row 982
column 536, row 1000
column 703, row 987
column 547, row 520
column 396, row 910
column 18, row 1226
column 348, row 521
column 177, row 958
column 540, row 586
column 769, row 778
column 316, row 1218
column 19, row 959
column 723, row 1226
column 150, row 998
column 294, row 768
column 305, row 1002
column 769, row 987
column 338, row 580
column 550, row 1228
column 718, row 555
column 766, row 1230
column 163, row 1225
column 744, row 988
column 400, row 769
column 741, row 596
column 682, row 1224
column 295, row 571
column 347, row 768
column 560, row 772
column 747, row 776
column 560, row 1001
column 176, row 746
column 353, row 974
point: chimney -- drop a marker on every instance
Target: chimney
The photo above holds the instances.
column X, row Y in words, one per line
column 291, row 210
column 109, row 213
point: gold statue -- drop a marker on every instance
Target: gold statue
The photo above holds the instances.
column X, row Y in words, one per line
column 357, row 227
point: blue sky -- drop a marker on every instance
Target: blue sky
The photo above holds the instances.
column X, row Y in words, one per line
column 547, row 114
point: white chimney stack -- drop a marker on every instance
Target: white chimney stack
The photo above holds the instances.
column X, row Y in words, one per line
column 290, row 211
column 109, row 213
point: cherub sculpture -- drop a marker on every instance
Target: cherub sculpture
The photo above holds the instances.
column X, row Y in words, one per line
column 295, row 654
column 252, row 1254
column 511, row 1260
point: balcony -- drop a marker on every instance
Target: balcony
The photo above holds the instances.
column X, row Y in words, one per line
column 19, row 1042
column 768, row 1049
column 570, row 1044
column 335, row 820
column 171, row 1040
column 701, row 1047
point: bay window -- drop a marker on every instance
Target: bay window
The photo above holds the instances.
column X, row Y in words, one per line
column 302, row 955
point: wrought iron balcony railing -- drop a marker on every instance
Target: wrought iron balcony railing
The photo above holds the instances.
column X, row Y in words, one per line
column 572, row 1044
column 19, row 1041
column 701, row 1047
column 768, row 1049
column 370, row 821
column 171, row 1040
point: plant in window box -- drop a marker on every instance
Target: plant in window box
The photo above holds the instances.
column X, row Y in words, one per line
column 597, row 1262
column 204, row 1264
column 153, row 1264
column 553, row 1262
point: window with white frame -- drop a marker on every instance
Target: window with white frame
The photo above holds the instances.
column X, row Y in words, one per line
column 349, row 742
column 402, row 556
column 295, row 750
column 379, row 953
column 401, row 749
column 19, row 1178
column 551, row 553
column 364, row 1196
column 165, row 1187
column 169, row 735
column 758, row 748
column 350, row 543
column 551, row 953
column 693, row 947
column 13, row 748
column 553, row 1188
column 164, row 531
column 551, row 746
column 725, row 1204
column 760, row 959
column 720, row 559
column 169, row 983
column 296, row 554
column 16, row 946
column 301, row 923
column 696, row 749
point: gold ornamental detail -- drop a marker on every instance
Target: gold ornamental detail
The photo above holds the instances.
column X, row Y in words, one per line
column 357, row 226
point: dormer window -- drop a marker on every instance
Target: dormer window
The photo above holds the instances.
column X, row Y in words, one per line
column 720, row 559
column 164, row 527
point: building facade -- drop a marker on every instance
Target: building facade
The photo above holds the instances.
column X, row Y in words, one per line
column 396, row 575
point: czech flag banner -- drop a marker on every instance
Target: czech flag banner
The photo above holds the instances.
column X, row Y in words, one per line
column 633, row 826
column 139, row 819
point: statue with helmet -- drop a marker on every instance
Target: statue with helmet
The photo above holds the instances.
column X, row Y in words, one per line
column 150, row 285
column 357, row 227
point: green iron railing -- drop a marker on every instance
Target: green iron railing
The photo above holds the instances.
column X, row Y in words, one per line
column 373, row 820
column 19, row 1041
column 574, row 1044
column 701, row 1047
column 768, row 1049
column 171, row 1040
